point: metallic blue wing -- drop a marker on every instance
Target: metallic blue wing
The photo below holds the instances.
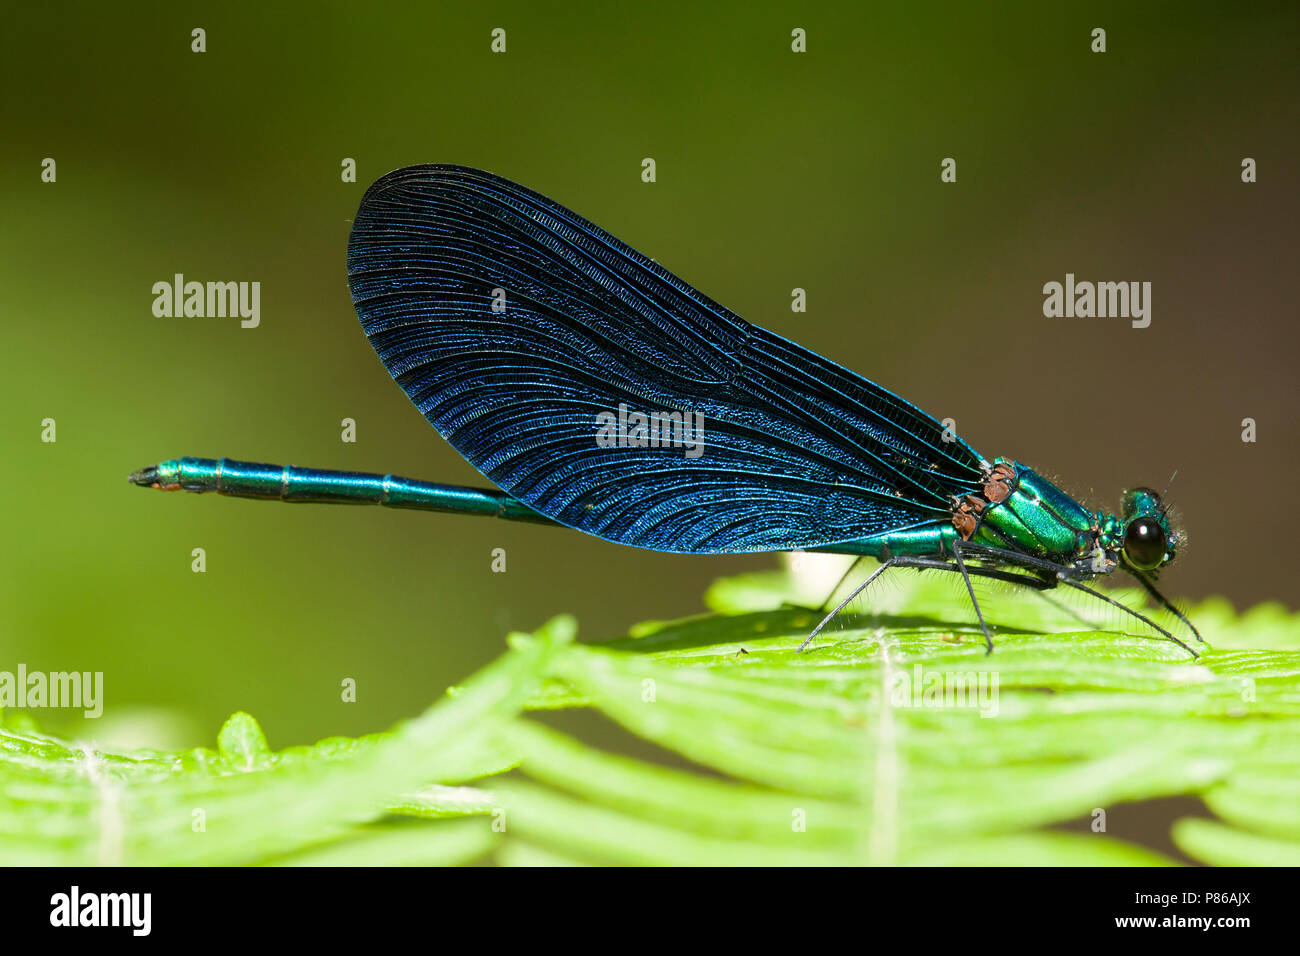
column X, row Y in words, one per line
column 797, row 451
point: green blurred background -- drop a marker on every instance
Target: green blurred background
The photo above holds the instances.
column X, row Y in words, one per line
column 775, row 170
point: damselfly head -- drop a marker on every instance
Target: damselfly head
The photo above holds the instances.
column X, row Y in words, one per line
column 1149, row 541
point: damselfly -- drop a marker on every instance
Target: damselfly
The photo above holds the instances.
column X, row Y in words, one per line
column 602, row 393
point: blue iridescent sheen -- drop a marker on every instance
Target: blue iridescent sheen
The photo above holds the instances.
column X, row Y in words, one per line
column 799, row 452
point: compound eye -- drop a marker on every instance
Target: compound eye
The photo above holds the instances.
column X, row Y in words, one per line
column 1144, row 544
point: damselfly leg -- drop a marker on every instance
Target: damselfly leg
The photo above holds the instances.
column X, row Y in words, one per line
column 1164, row 602
column 1066, row 575
column 1042, row 575
column 932, row 564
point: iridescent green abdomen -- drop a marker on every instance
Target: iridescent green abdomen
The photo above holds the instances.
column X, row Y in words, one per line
column 926, row 540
